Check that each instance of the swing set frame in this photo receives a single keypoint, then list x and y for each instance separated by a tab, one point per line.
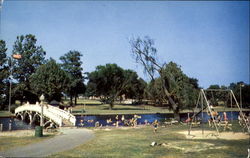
203	103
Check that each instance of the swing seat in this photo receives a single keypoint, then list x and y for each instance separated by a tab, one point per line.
226	124
196	124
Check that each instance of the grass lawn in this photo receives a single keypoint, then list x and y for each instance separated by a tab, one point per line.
5	114
92	107
135	142
7	143
118	109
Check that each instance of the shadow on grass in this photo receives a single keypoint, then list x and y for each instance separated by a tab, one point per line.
88	104
124	109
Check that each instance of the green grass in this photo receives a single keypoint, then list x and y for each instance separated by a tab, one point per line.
135	142
118	109
93	107
7	143
5	114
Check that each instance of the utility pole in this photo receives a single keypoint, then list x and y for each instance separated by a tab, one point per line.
14	56
10	82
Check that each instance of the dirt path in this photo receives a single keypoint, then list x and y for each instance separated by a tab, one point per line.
69	139
213	135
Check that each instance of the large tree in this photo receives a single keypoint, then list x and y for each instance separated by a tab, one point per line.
133	85
50	80
32	56
107	81
71	63
184	90
3	74
146	54
111	81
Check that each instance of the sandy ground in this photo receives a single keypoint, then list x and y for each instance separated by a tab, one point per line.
197	134
19	133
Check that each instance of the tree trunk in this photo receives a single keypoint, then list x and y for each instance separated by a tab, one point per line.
111	105
173	104
75	99
177	114
71	100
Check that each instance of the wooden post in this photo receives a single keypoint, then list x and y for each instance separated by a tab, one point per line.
210	110
241	113
191	121
1	127
10	126
202	115
231	100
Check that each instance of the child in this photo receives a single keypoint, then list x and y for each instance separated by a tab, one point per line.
225	116
155	124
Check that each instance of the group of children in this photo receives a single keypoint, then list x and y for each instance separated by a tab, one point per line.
130	122
220	120
133	122
214	117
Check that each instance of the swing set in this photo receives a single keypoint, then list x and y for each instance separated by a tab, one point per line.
203	103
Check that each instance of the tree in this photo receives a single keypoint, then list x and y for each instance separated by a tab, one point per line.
107	81
139	88
145	54
32	57
111	81
71	63
50	80
245	91
133	85
183	89
3	74
154	92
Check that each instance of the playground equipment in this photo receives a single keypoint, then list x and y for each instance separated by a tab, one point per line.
203	103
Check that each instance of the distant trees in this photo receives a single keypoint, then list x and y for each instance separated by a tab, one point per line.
71	63
50	80
217	97
245	92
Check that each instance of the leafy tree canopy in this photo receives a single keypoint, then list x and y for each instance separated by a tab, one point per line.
32	56
112	81
4	73
145	54
183	89
71	63
50	80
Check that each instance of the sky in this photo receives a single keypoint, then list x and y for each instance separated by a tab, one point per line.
209	40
